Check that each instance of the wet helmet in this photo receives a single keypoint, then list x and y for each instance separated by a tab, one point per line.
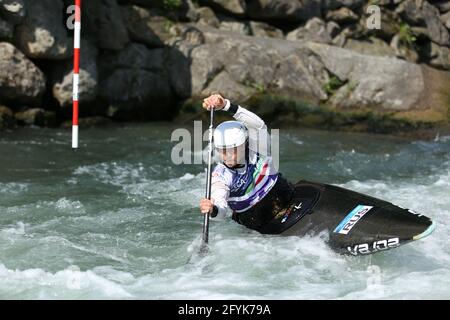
230	134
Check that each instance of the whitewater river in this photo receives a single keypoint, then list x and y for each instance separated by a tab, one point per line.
118	220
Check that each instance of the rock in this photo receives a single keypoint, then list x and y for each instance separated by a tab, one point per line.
179	61
103	22
6	30
423	13
315	30
261	29
226	85
179	10
339	40
445	18
438	32
248	66
7	119
21	82
333	29
390	25
440	57
233	25
335	4
235	7
207	17
41	34
403	49
136	85
62	77
36	117
378	82
372	46
283	10
442	5
87	122
134	56
411	12
145	26
13	11
257	63
342	16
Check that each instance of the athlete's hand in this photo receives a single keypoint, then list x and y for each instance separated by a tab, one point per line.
216	101
206	206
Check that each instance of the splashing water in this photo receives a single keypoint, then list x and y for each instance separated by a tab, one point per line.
118	220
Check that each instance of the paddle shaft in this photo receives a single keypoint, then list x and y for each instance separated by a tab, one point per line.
208	176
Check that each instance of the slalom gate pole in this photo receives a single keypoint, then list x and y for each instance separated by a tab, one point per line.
76	72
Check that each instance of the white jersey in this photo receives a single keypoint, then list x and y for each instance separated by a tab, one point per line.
241	188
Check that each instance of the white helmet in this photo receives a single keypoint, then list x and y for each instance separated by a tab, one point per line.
230	134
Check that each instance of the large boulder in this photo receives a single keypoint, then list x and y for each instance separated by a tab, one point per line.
207	17
338	78
7	119
254	62
42	35
315	30
146	27
103	22
377	82
440	57
283	10
135	83
180	10
12	11
423	13
21	82
371	46
442	5
234	7
6	30
62	77
336	4
445	18
262	29
438	32
233	25
342	15
36	117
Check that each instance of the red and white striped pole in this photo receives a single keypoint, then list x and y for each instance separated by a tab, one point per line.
76	72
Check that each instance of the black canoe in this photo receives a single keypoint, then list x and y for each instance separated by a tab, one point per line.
356	223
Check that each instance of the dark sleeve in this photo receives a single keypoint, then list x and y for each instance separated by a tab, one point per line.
233	108
214	212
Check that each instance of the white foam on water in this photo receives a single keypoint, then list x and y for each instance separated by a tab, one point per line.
69	206
18	229
70	283
140	249
13	188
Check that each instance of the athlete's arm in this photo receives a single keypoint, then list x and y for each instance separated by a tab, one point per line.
220	191
259	139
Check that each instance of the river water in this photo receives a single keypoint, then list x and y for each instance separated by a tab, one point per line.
119	220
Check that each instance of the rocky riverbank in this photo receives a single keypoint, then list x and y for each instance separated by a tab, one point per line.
313	63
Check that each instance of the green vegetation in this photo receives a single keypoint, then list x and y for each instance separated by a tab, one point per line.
283	110
352	85
280	111
167	25
332	85
259	87
406	35
172	4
